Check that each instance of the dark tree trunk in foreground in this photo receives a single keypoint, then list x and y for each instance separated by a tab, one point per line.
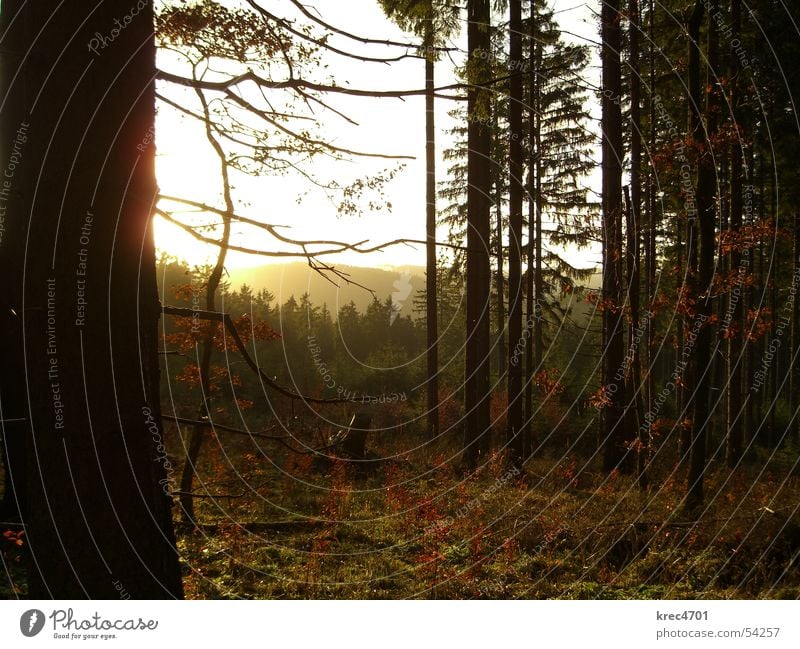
476	382
515	341
13	411
615	429
99	515
14	131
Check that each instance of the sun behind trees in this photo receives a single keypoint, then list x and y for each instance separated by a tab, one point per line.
582	383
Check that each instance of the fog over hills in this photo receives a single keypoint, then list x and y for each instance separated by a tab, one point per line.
285	280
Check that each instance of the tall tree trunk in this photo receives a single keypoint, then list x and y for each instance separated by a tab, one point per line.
98	485
538	268
514	418
652	223
706	215
533	283
733	445
615	430
635	332
794	377
680	390
431	300
633	378
530	305
476	382
13	399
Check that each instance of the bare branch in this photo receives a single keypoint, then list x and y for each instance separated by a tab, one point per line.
319	42
226	84
361	39
343	247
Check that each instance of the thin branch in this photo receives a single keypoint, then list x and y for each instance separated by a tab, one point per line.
285	24
241	101
345	247
361	39
226	84
270	228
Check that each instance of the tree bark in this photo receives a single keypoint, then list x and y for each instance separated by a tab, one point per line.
652	222
530	302
733	446
515	398
706	215
794	376
432	301
633	249
616	432
476	382
13	398
98	515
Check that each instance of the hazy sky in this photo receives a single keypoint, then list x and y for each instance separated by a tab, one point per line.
187	167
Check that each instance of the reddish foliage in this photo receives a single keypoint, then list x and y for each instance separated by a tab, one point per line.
14	538
759	322
547	381
600	398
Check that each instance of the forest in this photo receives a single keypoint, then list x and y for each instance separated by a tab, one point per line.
589	389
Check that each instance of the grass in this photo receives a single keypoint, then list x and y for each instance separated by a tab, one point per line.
414	527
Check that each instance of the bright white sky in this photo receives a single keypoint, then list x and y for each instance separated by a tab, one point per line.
187	167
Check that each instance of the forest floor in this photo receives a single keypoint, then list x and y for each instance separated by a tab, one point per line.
420	530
